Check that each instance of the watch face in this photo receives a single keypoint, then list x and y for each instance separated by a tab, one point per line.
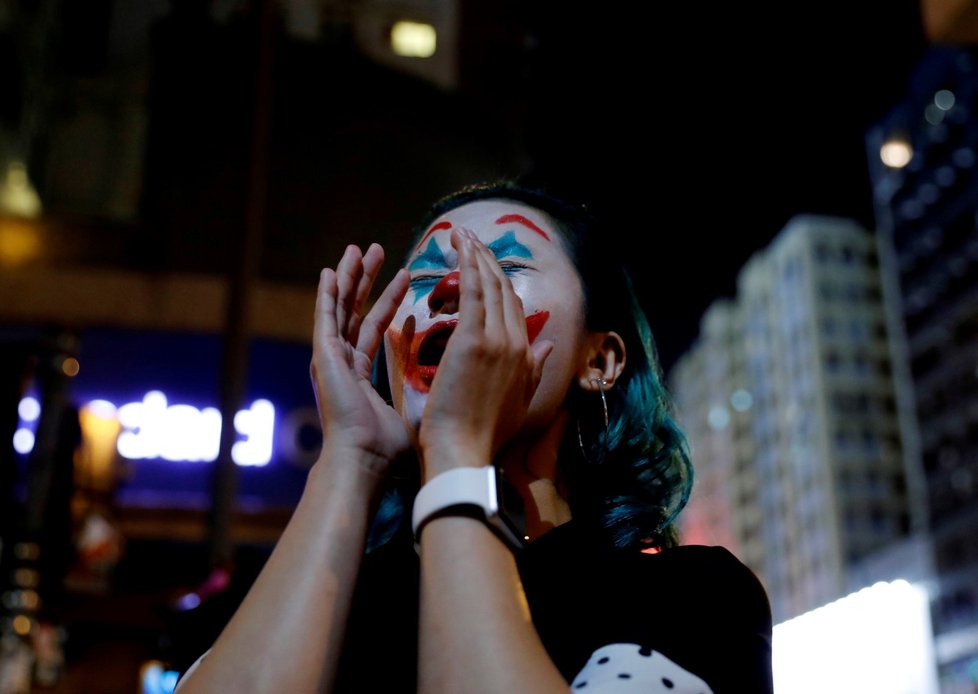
512	511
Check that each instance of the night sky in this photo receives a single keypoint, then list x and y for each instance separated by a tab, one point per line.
704	130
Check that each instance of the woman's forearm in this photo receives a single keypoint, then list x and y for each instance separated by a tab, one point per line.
476	631
288	632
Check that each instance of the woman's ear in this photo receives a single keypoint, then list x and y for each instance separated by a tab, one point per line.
605	361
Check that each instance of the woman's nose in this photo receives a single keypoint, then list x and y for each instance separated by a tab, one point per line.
444	297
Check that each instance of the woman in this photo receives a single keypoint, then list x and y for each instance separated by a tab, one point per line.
513	343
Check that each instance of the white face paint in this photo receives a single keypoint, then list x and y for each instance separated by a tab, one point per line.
528	246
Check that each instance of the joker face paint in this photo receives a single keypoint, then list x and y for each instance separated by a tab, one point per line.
528	247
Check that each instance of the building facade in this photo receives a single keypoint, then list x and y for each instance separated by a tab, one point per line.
789	401
927	214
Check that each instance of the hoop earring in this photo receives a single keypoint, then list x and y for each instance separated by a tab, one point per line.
604	407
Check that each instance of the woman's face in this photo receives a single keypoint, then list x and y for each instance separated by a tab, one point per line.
528	246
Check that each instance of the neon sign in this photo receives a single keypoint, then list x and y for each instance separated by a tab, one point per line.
153	428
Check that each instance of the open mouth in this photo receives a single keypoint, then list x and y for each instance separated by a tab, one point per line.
423	351
432	347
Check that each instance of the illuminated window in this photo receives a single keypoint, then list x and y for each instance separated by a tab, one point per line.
413	39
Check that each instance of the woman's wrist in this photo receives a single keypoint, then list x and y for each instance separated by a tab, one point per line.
444	458
350	472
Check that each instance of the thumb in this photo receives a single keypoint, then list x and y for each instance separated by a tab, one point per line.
541	350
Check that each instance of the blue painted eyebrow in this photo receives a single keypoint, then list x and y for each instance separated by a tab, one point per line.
432	257
507	246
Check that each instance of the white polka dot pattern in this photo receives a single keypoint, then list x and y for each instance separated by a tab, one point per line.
623	668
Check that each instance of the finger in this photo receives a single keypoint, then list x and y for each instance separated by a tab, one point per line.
348	273
472	312
325	315
382	313
373	259
493	287
514	315
513	319
541	350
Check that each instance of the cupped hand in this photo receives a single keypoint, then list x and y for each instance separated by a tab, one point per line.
488	373
355	419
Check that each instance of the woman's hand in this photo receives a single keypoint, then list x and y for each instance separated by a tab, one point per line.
489	371
355	419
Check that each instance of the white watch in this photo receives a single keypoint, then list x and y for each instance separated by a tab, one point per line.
476	492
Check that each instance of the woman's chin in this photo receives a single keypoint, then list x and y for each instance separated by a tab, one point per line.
412	409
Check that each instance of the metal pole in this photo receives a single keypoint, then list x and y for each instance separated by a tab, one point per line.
240	285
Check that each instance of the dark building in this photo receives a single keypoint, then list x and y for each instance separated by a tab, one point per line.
927	215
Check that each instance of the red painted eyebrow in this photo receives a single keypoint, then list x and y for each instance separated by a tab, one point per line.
520	219
437	227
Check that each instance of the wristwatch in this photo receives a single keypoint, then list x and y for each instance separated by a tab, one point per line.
476	492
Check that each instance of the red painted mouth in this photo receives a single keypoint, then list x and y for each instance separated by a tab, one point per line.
427	351
427	348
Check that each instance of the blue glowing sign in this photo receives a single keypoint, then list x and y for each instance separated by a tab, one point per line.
162	389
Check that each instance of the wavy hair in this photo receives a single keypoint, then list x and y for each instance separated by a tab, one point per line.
626	481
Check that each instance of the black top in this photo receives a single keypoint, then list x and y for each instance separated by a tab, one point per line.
698	606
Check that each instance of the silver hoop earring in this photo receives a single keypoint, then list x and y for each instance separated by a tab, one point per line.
604	408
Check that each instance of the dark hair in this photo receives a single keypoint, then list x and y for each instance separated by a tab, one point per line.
627	481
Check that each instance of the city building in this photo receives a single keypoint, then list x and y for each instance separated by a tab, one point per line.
923	156
789	400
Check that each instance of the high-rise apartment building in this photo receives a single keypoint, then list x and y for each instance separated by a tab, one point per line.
789	402
925	184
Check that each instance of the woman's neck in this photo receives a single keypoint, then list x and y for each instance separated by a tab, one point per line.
530	465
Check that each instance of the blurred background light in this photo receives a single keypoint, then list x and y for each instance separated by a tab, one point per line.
20	241
29	409
28	578
876	640
23	441
156	678
258	424
70	367
96	461
413	39
896	153
188	601
944	99
741	400
101	408
17	195
27	599
22	625
718	418
154	429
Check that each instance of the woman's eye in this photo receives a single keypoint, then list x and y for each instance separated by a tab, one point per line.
424	281
511	266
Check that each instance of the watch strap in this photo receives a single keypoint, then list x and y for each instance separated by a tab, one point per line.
467	491
456	510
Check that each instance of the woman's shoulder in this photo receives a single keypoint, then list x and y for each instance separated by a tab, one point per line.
712	573
702	557
713	569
